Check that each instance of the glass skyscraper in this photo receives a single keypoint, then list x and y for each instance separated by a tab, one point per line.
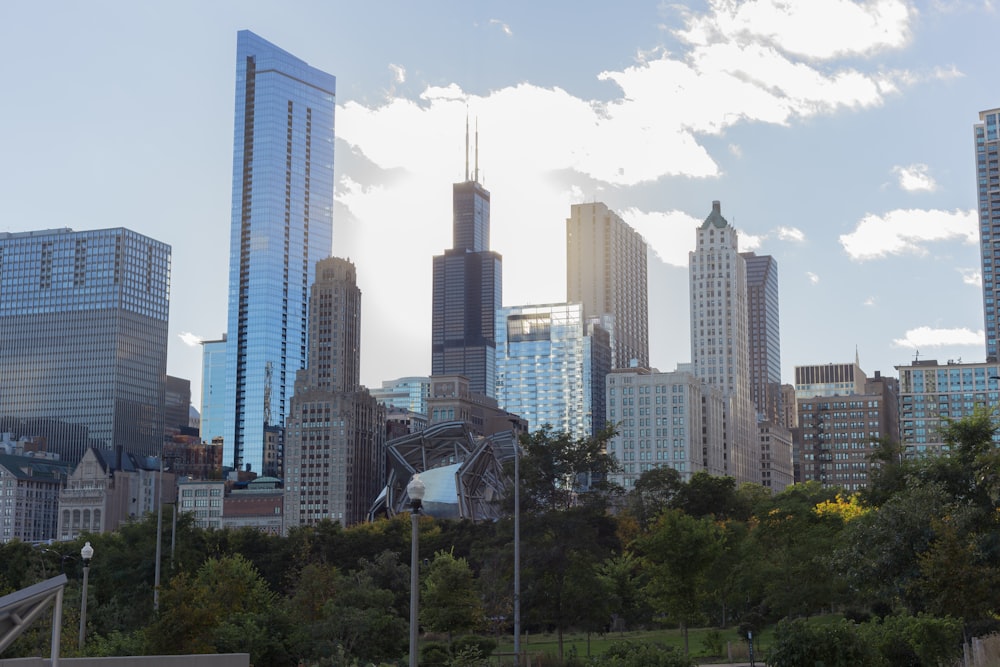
281	226
83	338
551	367
213	389
467	294
765	337
988	192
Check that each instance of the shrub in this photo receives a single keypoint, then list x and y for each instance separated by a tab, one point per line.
640	654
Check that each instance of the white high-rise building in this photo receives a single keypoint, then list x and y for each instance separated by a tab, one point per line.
720	349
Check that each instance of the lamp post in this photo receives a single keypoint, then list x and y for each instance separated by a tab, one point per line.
86	553
159	540
517	542
415	490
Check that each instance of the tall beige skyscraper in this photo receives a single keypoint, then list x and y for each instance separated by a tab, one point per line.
606	272
335	437
720	348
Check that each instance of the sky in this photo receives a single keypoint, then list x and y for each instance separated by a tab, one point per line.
836	134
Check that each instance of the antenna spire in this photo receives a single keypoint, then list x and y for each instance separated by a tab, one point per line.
476	176
466	144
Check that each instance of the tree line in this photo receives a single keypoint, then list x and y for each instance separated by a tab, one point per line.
911	564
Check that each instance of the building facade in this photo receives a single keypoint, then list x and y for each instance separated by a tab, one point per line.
467	293
839	433
335	440
408	393
931	393
213	389
720	341
606	272
83	338
551	367
987	140
281	226
664	420
29	496
763	324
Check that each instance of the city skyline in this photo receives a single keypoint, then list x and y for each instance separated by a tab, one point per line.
839	138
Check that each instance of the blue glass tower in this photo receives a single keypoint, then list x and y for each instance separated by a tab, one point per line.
281	226
987	136
213	389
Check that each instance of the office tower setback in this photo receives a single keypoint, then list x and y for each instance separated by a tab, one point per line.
765	340
606	272
467	291
987	138
213	389
720	340
335	439
83	338
281	226
551	367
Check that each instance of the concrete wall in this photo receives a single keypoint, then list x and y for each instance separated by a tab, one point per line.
207	660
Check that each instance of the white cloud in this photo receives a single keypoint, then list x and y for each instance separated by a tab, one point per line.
813	278
870	301
928	337
908	231
189	339
503	26
819	29
749	242
736	150
791	234
915	178
671	235
971	277
398	73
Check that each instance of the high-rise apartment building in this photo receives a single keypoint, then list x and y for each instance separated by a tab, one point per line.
335	438
606	272
551	367
765	337
720	340
83	338
987	138
467	292
664	420
213	389
838	433
930	394
408	393
281	226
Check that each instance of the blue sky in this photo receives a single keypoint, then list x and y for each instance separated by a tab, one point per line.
837	135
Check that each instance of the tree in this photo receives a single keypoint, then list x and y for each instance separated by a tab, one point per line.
708	495
681	551
449	601
653	492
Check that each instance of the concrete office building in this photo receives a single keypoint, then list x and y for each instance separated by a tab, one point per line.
551	367
282	207
606	272
720	339
664	420
83	338
335	440
763	327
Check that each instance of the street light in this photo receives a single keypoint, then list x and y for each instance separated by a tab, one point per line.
159	540
517	541
86	553
415	490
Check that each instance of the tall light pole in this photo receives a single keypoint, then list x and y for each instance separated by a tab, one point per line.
86	553
159	540
517	542
415	490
